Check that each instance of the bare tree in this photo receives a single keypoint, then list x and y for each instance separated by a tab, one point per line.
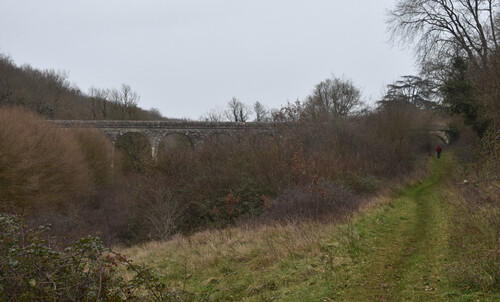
7	84
261	113
291	113
124	103
333	98
237	111
44	91
214	115
161	212
99	99
155	114
413	90
446	28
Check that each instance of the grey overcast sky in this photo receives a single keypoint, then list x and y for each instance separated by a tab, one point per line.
186	57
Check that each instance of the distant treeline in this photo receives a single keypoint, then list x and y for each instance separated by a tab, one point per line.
50	94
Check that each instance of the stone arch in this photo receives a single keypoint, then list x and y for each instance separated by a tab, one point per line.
134	149
173	142
177	138
218	136
267	136
442	135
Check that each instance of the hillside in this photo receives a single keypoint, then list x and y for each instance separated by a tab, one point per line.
49	93
398	248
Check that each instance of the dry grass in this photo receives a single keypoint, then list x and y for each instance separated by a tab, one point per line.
475	236
250	248
204	249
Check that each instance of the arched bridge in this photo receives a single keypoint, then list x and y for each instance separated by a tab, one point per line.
155	131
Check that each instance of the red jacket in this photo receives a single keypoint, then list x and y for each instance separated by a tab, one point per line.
438	149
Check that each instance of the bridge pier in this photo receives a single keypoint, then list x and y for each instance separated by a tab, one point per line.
155	143
112	154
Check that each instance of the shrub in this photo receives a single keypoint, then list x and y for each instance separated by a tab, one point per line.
96	149
359	182
32	270
201	178
476	212
317	200
135	151
40	164
155	212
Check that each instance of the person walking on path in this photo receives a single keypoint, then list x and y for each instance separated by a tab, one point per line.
438	151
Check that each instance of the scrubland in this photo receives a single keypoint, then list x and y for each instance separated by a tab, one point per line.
312	169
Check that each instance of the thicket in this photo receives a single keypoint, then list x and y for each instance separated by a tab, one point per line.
309	169
41	166
475	236
470	92
46	173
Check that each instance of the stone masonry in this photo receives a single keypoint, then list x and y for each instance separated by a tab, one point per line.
155	131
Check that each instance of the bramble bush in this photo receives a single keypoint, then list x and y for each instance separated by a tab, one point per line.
31	269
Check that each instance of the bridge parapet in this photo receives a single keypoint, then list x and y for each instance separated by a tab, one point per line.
125	124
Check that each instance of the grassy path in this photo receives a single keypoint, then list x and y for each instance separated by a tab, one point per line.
403	246
394	251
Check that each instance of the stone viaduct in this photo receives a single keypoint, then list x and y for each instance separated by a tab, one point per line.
155	131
